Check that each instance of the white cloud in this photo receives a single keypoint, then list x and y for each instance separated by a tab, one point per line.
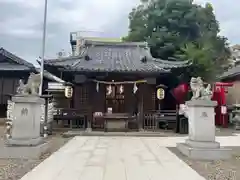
63	17
28	33
228	16
20	27
94	14
25	3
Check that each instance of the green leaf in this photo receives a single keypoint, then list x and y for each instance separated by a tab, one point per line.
181	30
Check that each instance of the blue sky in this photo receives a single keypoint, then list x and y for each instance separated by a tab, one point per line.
21	22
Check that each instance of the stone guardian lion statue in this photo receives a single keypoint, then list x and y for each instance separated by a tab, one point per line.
32	85
198	89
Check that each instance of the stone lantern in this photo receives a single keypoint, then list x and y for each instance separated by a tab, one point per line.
236	119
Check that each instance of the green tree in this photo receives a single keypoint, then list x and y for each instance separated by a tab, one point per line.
181	30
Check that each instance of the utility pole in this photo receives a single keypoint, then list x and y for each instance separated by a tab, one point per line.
43	47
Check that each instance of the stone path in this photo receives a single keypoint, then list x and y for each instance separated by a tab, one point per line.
119	158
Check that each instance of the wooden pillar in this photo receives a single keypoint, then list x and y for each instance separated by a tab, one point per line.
90	101
140	96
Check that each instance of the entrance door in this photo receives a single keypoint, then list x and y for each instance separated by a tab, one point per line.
115	98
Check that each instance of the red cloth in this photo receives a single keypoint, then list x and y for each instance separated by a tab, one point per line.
219	95
180	92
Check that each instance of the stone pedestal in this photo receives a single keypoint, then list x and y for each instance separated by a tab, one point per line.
201	142
88	130
27	113
23	152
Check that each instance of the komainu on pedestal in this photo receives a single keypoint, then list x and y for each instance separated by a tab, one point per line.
200	112
25	115
31	87
198	89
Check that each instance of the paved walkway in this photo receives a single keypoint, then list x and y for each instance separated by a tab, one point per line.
118	158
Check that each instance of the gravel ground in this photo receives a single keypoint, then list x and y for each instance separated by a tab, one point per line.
215	170
14	169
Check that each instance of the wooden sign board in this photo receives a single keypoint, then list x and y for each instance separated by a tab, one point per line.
55	86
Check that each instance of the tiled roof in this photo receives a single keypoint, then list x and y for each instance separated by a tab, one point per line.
115	57
235	71
18	63
13	67
50	76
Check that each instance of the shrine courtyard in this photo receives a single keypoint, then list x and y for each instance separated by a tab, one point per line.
131	158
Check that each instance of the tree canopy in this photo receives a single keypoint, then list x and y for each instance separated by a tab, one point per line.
181	30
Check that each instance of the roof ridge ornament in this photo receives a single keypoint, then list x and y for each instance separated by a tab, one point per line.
87	58
84	51
144	59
